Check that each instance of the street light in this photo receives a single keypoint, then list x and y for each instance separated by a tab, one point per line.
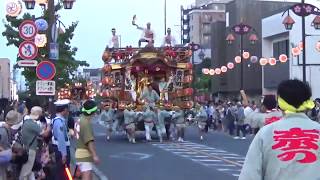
29	3
242	29
303	10
68	4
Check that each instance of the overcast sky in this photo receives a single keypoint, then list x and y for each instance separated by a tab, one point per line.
97	17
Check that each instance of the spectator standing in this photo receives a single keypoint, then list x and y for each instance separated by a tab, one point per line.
240	122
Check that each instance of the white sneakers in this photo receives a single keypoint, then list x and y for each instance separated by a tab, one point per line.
108	138
180	139
237	137
243	138
201	138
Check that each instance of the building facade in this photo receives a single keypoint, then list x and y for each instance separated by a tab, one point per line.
277	40
238	11
5	86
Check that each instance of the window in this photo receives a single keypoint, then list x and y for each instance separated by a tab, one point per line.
281	47
206	41
227	19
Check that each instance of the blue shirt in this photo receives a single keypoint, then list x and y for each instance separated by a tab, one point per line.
60	134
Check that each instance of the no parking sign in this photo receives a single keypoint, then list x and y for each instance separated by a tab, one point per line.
46	70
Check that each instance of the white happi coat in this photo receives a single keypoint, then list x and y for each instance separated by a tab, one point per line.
288	149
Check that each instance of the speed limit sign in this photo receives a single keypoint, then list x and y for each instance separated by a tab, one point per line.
28	30
28	50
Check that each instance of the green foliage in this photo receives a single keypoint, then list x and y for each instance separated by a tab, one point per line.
66	66
202	82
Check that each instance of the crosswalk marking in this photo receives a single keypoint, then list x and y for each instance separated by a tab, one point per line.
211	157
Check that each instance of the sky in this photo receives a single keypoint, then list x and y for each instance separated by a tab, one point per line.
97	17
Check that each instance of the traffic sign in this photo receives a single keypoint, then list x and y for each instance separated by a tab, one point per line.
45	88
28	50
28	30
46	70
27	63
54	51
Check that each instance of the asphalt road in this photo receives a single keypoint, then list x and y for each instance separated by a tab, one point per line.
218	157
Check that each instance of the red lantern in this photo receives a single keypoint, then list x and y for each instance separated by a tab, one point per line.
230	65
205	70
296	51
263	61
107	68
237	59
318	46
272	61
211	72
106	56
189	66
188	79
217	71
283	58
107	81
224	69
246	55
188	92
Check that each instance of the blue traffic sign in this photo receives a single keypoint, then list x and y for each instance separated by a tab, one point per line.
46	70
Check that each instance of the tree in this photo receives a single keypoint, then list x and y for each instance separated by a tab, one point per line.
66	66
202	82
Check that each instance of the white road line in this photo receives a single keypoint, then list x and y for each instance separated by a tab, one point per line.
99	174
208	160
200	156
184	152
225	169
232	157
236	175
225	165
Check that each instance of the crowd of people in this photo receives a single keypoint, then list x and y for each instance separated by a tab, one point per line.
37	145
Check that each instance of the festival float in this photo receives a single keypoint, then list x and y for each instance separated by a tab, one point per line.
128	71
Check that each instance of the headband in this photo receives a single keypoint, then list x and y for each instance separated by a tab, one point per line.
89	111
308	104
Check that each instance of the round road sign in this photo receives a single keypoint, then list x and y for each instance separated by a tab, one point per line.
46	70
28	50
28	30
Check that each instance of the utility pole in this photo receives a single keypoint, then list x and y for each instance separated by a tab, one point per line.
304	47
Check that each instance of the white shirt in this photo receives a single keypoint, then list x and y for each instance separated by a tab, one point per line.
169	40
114	41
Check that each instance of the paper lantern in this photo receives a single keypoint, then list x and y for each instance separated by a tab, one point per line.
283	58
246	55
224	69
254	59
272	61
205	70
41	24
13	8
237	59
179	92
107	68
189	66
40	40
188	79
217	71
230	65
107	81
211	72
318	46
263	61
188	91
106	56
300	45
296	51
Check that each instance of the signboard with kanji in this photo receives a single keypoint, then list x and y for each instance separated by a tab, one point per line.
46	88
28	30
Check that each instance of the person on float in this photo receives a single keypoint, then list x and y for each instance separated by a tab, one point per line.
201	118
86	154
114	41
288	148
269	112
129	122
178	118
147	35
107	117
131	83
150	96
169	39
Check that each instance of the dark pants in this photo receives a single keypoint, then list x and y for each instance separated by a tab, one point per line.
59	171
231	128
143	40
242	129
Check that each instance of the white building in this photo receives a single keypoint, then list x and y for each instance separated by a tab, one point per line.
5	78
276	38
